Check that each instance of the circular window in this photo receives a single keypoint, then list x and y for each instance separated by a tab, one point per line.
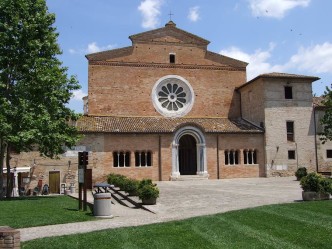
172	96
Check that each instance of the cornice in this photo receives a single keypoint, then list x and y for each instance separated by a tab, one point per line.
162	65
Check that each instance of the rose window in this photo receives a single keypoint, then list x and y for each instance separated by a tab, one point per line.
172	96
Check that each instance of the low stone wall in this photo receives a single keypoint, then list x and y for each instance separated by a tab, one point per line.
9	238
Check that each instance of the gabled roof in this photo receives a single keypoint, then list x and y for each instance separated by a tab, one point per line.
276	75
115	124
170	30
114	53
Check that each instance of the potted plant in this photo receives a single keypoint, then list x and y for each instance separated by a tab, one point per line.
117	180
131	187
316	187
148	193
300	172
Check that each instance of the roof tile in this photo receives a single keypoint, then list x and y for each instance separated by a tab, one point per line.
114	124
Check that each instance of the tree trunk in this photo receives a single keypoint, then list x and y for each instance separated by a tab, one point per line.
2	157
9	176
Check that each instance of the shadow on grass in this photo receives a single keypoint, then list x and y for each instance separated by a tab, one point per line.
28	198
89	212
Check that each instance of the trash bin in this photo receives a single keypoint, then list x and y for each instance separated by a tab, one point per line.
72	188
102	205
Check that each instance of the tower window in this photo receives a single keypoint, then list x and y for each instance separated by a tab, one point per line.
328	153
291	154
171	58
288	92
290	131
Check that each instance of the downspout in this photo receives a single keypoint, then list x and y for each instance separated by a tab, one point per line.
218	163
315	127
159	159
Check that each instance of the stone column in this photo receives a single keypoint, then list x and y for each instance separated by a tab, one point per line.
201	160
175	161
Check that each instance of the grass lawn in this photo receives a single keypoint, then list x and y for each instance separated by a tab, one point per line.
40	211
296	225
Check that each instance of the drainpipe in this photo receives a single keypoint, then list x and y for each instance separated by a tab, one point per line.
218	163
159	159
297	157
315	127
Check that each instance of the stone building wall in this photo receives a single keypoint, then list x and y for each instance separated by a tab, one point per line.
323	158
277	112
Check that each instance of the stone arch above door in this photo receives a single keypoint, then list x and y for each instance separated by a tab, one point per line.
198	135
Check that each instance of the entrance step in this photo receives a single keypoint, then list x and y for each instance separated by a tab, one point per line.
124	199
191	178
121	198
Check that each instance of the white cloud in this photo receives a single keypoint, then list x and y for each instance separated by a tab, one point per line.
275	8
258	61
78	95
194	14
150	9
91	48
314	59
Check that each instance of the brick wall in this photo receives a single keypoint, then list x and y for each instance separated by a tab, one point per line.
125	89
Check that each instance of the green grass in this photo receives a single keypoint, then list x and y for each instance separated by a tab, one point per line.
40	211
296	225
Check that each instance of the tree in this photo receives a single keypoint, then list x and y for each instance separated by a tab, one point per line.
34	86
326	121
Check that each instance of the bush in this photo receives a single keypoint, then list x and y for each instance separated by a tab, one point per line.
148	191
131	186
316	183
144	182
117	180
301	172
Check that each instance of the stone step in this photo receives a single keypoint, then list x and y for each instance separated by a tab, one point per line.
191	178
122	199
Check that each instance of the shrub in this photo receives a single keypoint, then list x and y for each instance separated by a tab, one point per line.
144	182
117	180
148	191
301	172
316	183
131	186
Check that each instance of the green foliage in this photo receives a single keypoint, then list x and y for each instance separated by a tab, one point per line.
144	182
316	183
144	188
34	86
300	172
326	121
117	180
295	225
131	186
148	191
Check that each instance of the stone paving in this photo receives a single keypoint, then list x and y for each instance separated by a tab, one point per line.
185	199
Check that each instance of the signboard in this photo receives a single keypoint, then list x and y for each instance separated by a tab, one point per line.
81	175
73	151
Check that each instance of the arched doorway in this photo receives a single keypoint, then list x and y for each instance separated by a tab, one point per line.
187	155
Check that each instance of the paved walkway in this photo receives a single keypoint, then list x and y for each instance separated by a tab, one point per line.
184	199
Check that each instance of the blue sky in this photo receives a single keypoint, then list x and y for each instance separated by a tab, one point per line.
291	36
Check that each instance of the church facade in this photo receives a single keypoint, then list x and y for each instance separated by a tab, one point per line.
167	108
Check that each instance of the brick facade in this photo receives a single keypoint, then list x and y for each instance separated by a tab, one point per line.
239	127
